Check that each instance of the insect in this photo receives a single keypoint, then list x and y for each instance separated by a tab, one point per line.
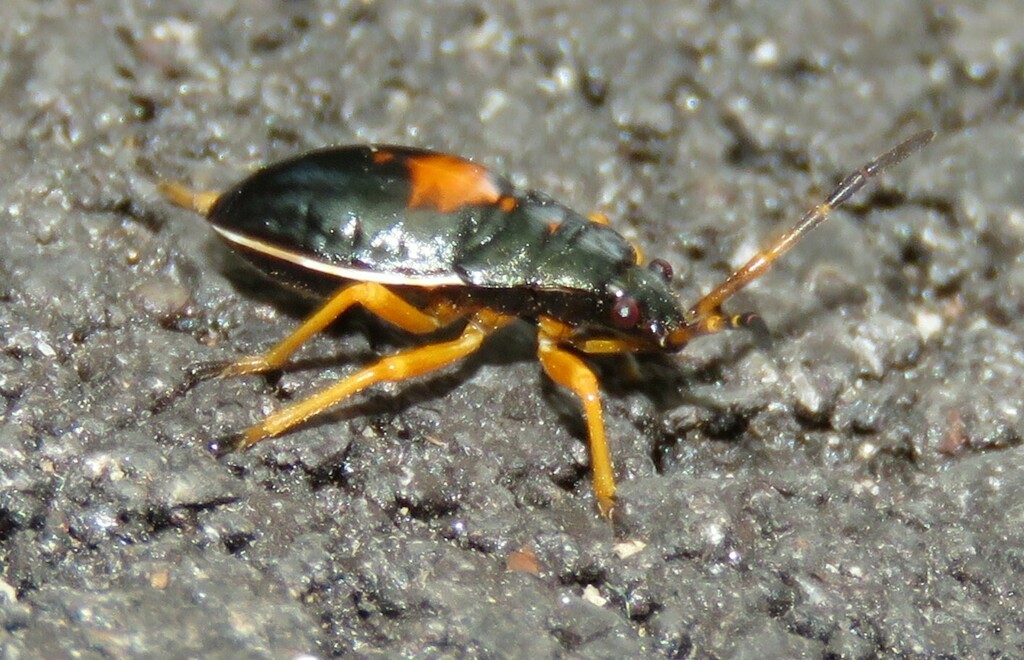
425	240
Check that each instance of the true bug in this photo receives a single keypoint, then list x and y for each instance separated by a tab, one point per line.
425	240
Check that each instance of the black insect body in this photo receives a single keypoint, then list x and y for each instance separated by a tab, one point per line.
424	240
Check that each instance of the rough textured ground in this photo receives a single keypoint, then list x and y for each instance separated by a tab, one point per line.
854	491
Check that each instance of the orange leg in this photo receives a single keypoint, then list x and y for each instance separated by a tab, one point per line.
375	298
179	195
571	372
398	367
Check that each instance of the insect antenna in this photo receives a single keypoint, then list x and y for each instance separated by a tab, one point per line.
706	317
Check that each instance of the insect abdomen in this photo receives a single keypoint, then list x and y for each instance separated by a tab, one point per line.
409	217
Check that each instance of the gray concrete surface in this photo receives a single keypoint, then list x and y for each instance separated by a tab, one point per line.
853	492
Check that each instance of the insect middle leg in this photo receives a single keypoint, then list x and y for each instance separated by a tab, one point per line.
399	367
375	298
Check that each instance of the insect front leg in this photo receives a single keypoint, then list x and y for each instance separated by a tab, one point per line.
717	321
570	371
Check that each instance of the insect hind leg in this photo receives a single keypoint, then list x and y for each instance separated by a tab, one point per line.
180	195
398	367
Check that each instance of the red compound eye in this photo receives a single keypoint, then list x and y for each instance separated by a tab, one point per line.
625	313
662	268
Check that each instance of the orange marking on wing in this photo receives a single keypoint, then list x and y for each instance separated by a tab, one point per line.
447	183
599	218
381	157
508	203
